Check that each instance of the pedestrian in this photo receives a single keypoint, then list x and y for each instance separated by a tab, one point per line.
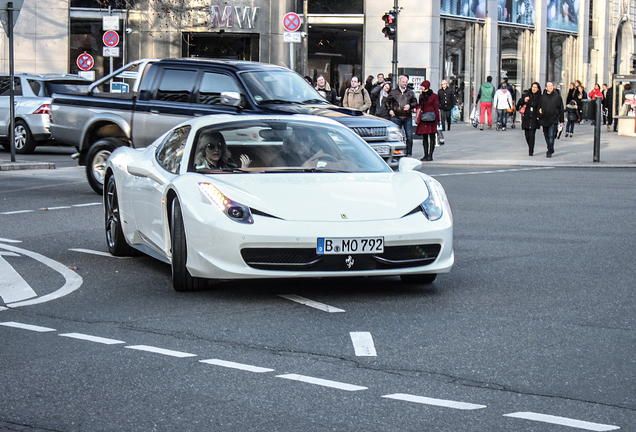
502	102
572	110
596	92
380	93
603	104
550	115
484	98
326	91
356	96
446	97
308	79
400	103
579	96
608	107
571	92
428	103
368	84
374	100
529	104
513	114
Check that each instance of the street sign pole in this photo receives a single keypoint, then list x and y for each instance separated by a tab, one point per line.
12	85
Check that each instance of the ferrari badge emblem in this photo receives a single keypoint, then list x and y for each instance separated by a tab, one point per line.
349	261
343	216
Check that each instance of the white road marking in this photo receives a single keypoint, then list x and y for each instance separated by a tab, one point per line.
435	402
27	327
240	366
3	308
11	254
322	382
13	287
10	241
94	252
311	303
86	205
92	338
161	351
491	171
17	212
57	208
72	280
563	421
363	344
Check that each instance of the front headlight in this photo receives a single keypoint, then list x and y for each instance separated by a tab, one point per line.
235	211
395	134
433	206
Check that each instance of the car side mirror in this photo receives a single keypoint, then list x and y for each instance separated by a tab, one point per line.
409	164
231	98
143	169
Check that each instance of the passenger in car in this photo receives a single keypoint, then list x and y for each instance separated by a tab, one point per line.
296	150
212	153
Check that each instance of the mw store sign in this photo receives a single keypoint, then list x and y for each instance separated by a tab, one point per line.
214	16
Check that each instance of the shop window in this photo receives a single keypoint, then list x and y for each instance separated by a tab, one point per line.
511	54
335	7
86	35
556	58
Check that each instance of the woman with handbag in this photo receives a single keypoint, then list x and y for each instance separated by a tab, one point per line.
502	102
528	106
427	119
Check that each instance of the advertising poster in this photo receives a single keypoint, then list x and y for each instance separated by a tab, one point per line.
464	8
563	15
516	11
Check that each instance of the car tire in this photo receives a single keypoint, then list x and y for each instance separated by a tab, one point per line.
96	161
182	280
24	142
425	279
115	239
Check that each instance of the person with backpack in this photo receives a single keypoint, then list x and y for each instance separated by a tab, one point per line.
356	96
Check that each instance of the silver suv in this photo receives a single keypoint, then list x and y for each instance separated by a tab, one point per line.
32	106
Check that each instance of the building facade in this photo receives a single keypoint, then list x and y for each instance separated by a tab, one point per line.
462	41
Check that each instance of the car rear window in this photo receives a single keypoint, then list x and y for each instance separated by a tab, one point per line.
51	87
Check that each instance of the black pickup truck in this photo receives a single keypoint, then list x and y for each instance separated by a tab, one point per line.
167	92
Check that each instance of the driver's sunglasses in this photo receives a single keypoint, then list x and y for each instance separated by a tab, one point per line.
212	146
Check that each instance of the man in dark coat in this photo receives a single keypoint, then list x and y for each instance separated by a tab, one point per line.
400	104
446	97
550	115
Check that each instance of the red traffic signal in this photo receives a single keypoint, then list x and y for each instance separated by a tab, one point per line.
390	25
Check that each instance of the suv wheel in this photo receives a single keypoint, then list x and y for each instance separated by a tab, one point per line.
96	161
24	142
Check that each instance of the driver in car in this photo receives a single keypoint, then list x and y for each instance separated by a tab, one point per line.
214	155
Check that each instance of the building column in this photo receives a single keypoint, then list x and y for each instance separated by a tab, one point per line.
491	42
541	42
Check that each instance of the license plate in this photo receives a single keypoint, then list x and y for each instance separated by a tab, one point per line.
382	150
349	245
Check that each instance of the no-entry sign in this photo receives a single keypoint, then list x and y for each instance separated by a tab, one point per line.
85	61
291	21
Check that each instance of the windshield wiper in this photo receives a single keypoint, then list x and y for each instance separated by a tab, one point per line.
277	101
309	101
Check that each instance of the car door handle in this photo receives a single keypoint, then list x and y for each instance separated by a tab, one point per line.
154	112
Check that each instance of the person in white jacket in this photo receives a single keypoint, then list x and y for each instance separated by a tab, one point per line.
502	102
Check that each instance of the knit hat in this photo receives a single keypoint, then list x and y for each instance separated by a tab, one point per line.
426	84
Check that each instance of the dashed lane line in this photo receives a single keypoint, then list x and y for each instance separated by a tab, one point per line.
322	382
91	338
27	327
435	402
161	351
311	303
51	208
562	421
491	171
545	418
240	366
363	344
98	253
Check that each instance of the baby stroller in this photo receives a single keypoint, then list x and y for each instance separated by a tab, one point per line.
474	116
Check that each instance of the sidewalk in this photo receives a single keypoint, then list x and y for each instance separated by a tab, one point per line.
466	145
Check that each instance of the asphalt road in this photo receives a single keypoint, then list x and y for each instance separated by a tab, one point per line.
533	329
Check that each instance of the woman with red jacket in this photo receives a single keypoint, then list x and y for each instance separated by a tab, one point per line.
428	103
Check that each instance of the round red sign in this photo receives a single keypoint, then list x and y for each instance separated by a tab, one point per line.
85	61
291	21
111	38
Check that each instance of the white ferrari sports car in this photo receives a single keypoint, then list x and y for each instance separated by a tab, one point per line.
242	197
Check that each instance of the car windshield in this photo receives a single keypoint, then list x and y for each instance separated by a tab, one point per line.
51	87
280	87
282	146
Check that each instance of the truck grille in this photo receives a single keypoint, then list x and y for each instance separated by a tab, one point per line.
370	132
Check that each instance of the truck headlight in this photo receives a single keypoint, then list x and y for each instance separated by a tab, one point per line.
395	134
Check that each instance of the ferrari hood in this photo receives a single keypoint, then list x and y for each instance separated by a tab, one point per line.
324	197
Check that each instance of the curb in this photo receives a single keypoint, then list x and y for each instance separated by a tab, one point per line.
22	165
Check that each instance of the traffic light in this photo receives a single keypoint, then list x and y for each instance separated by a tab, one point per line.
390	25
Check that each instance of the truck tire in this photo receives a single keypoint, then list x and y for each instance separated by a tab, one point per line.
24	142
96	158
